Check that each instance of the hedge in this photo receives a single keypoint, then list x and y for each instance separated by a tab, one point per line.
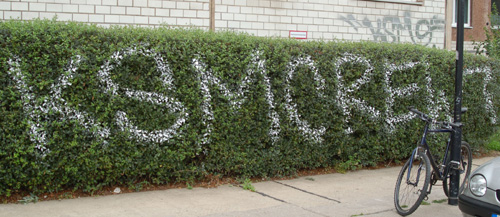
84	107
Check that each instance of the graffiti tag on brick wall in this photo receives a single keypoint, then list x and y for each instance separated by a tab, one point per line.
398	29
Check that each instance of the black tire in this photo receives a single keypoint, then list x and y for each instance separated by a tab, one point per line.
409	195
464	168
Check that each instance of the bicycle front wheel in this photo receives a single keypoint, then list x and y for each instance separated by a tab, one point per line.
463	169
411	189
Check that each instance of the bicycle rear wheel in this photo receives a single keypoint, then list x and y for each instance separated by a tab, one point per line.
464	168
410	192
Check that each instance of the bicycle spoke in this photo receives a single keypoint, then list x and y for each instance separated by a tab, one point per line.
411	189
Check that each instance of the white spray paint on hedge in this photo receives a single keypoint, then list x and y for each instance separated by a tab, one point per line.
344	98
37	135
237	98
35	108
172	104
291	107
391	120
57	104
488	96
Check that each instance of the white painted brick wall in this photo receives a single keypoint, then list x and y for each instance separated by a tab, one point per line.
141	20
81	17
64	17
5	6
54	7
190	13
126	19
90	2
62	1
12	15
47	15
118	10
113	2
70	8
183	21
154	4
20	6
183	5
125	3
86	9
169	4
111	18
96	18
133	11
26	15
37	6
102	9
72	1
196	6
177	13
221	24
203	14
162	12
323	19
148	11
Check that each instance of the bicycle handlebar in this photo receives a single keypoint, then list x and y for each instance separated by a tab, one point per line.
426	118
445	124
421	115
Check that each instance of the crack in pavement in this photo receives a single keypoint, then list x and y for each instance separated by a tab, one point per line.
269	196
308	192
286	202
374	213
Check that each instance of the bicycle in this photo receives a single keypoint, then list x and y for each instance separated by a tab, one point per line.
414	178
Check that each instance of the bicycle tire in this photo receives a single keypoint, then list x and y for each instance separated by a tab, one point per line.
465	168
403	194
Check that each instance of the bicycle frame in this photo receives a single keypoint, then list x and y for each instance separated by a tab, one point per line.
423	145
410	191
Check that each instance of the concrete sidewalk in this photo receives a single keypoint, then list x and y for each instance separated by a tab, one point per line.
358	193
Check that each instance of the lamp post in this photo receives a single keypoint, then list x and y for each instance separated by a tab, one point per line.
457	118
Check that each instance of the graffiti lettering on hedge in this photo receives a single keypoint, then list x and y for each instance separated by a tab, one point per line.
393	29
206	77
36	108
487	95
58	104
172	104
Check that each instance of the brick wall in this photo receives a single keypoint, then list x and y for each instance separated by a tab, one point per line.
417	22
413	21
112	12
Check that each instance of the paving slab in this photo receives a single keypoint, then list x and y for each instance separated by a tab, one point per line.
357	193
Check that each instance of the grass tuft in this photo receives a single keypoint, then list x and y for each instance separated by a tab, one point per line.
494	143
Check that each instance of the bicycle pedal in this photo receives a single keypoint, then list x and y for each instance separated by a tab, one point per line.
434	178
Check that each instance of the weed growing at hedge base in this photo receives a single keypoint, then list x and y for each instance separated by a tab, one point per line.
494	143
32	198
247	184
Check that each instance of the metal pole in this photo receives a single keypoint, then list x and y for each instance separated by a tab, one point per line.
212	15
457	131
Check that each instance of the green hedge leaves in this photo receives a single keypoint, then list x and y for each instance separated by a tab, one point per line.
83	107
